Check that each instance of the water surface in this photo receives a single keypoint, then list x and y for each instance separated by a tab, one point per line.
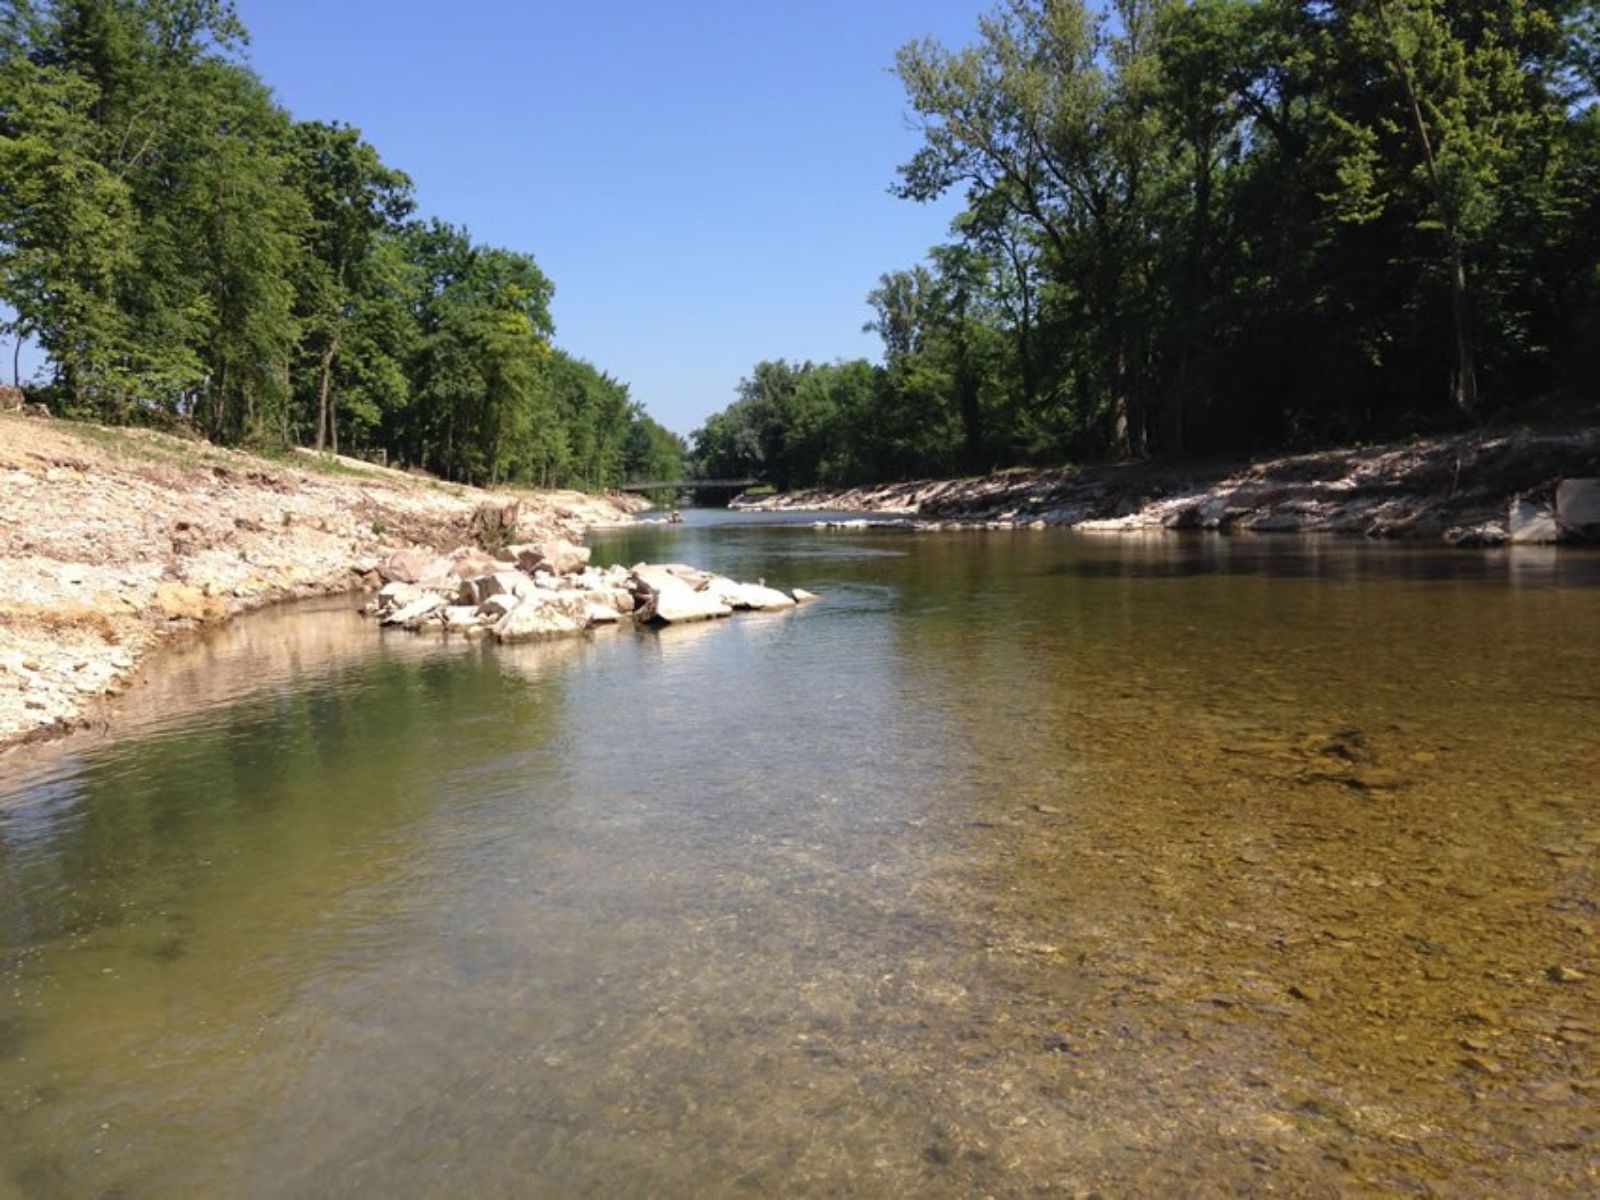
1021	864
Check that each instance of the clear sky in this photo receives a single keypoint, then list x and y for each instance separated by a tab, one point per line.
706	181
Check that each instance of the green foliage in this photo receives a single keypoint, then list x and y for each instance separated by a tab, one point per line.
180	248
1222	225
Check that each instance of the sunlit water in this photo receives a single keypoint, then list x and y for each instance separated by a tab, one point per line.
1021	864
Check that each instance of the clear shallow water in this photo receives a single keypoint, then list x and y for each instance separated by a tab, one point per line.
1021	864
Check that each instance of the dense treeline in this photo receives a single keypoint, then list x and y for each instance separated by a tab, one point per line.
1218	225
180	247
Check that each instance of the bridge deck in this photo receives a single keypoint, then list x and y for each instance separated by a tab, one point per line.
690	485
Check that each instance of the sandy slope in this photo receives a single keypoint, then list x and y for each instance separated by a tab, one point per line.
112	540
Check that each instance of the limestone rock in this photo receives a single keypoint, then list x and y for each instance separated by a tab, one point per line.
405	566
497	606
1490	533
462	616
439	573
500	583
749	595
397	594
185	602
1529	522
559	557
423	606
665	597
540	616
469	561
1578	506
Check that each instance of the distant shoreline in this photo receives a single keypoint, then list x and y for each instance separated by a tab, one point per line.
1461	490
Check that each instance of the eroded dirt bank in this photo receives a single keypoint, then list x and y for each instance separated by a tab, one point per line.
114	540
1461	489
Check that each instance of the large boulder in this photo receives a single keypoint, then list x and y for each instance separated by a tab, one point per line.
754	596
496	607
500	583
558	557
602	614
1531	523
469	562
462	616
1578	506
543	615
397	595
423	606
406	566
663	596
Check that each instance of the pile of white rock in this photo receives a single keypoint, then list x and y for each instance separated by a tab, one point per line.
549	589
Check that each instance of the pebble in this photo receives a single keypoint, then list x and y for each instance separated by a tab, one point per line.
1560	974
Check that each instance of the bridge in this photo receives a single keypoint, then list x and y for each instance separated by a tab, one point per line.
691	485
702	493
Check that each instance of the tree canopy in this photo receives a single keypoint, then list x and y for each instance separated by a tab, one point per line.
1217	226
182	249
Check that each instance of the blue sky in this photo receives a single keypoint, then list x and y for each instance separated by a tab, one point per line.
706	182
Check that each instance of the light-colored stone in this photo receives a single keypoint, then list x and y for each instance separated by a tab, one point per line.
749	595
602	614
557	556
469	562
439	573
500	583
663	596
1578	506
543	616
397	594
406	566
423	606
1490	533
460	616
185	602
1530	522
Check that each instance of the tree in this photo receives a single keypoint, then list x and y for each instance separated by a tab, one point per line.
353	200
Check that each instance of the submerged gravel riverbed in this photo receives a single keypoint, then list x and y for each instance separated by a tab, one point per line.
1022	864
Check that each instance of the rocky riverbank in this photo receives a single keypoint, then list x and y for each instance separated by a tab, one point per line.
1465	490
113	541
524	593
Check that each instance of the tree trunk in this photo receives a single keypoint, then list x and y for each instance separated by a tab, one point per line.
1464	378
324	384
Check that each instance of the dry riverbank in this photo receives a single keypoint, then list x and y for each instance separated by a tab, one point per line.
114	540
1462	489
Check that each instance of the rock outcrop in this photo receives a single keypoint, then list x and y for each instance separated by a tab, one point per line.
1457	489
535	600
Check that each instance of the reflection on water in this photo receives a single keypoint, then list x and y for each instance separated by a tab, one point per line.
1022	864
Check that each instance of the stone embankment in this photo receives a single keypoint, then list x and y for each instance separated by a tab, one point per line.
1466	491
525	592
112	541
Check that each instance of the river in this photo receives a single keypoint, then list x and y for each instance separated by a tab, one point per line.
1021	864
